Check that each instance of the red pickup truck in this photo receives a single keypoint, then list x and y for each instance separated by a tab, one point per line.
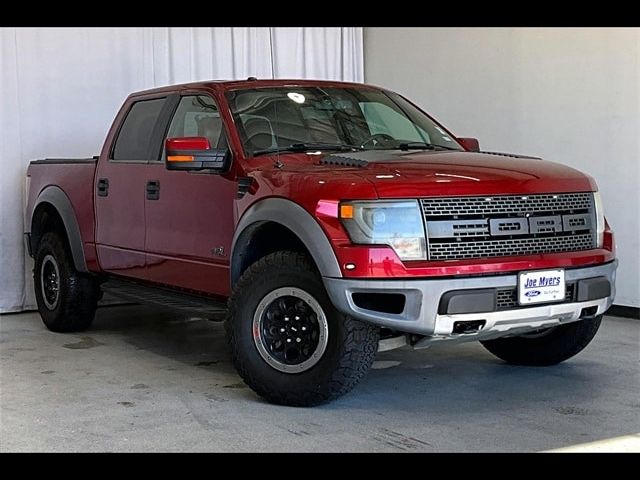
328	220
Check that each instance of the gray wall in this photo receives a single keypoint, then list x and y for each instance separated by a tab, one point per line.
568	95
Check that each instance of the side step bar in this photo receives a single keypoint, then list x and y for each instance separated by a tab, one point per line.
140	293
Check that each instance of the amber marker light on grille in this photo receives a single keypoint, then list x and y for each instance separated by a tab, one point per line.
346	211
180	158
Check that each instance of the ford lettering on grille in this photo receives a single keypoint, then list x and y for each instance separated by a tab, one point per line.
480	227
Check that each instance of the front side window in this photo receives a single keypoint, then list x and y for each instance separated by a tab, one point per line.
134	138
198	116
272	119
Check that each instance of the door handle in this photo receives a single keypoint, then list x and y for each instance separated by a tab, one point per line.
153	190
103	187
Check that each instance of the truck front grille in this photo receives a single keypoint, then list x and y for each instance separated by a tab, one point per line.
461	228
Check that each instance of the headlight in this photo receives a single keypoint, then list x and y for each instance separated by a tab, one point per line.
398	224
597	200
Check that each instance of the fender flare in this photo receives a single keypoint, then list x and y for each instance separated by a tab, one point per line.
56	197
292	216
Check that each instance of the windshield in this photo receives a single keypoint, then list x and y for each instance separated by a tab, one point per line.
292	118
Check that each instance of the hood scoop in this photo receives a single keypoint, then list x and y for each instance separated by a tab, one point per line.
343	161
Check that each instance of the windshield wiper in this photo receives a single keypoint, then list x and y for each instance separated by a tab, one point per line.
305	147
422	146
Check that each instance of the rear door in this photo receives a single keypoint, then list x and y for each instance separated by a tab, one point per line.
190	222
120	187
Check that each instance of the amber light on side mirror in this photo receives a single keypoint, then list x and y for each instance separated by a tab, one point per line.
469	144
179	158
194	153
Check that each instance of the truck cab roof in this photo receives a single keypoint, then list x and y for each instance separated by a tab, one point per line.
251	82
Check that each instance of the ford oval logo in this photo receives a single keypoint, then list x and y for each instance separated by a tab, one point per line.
532	293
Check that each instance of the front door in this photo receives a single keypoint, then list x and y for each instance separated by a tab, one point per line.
190	221
120	185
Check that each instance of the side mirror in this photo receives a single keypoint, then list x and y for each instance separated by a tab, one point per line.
470	144
195	153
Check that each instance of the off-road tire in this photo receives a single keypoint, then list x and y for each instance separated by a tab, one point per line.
558	345
78	293
351	344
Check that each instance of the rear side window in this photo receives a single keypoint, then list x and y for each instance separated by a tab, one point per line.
135	134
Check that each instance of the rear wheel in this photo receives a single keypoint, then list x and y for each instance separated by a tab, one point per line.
288	342
66	299
545	347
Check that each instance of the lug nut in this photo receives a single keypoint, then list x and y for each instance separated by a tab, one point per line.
298	340
297	317
288	340
282	330
304	329
286	319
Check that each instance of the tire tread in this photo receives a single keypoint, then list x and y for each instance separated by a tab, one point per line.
76	308
564	342
357	352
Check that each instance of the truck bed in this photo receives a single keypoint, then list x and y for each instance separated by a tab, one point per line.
75	177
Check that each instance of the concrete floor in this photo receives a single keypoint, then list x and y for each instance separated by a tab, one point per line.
142	379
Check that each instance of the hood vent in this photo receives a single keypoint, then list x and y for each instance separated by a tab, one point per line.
513	155
343	161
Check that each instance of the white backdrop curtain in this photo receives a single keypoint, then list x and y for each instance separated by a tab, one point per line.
61	88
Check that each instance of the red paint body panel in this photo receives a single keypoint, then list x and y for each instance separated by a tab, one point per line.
381	262
76	181
170	241
193	215
426	174
120	218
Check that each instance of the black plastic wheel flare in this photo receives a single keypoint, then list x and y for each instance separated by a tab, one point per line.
290	330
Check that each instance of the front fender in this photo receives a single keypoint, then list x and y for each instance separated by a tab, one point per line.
292	216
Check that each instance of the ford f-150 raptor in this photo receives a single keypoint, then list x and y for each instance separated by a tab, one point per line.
327	220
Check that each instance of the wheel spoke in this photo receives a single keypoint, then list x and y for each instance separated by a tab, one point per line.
282	304
291	354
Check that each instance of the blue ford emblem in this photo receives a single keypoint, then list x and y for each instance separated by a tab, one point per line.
532	293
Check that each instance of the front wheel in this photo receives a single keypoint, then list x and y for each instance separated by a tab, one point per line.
288	342
547	347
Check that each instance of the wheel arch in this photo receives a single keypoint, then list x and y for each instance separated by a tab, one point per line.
53	210
298	230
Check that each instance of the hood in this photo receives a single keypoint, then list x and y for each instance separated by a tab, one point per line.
396	174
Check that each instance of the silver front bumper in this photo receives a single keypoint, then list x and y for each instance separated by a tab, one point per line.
420	314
